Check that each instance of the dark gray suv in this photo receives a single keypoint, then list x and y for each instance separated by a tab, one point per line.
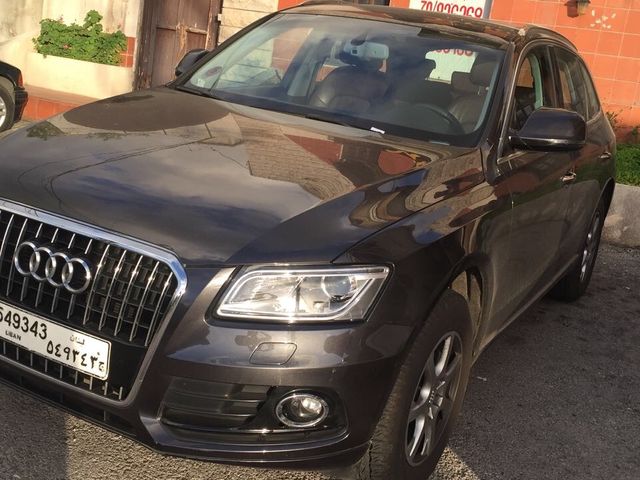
292	254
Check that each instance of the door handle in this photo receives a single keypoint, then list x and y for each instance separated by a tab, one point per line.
569	177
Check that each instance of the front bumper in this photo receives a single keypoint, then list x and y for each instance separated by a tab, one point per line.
184	402
22	97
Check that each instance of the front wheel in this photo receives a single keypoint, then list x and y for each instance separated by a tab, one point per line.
426	398
434	399
573	285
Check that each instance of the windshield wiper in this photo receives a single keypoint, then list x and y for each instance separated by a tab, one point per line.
328	119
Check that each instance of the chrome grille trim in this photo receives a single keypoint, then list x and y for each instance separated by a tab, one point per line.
5	237
92	292
133	276
72	301
150	281
156	313
54	237
12	266
149	293
109	295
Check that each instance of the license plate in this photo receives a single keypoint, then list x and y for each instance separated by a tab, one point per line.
64	345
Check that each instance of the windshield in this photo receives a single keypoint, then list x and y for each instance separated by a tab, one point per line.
388	78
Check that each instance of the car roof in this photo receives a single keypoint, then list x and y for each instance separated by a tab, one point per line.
487	30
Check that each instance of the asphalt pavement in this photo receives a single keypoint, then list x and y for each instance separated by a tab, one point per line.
20	124
554	397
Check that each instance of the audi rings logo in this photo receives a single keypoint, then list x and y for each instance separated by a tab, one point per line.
60	269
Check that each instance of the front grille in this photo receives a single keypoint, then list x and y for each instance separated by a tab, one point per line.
127	301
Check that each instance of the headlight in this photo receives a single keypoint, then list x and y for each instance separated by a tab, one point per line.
299	295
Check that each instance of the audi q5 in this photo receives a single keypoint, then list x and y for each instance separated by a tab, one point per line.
291	255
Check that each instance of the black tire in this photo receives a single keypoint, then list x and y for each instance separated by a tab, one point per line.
388	457
7	99
573	285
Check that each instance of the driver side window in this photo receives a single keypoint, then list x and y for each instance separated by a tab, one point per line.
534	87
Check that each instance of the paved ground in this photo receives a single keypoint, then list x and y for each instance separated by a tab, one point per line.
23	123
555	397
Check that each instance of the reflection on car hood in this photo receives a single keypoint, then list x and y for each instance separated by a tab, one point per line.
220	183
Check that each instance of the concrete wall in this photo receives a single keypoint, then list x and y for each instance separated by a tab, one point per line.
19	24
86	79
118	14
18	17
622	227
19	21
237	14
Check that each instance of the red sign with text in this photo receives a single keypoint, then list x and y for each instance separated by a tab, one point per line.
469	8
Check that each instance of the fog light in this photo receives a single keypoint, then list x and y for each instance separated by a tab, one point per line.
302	410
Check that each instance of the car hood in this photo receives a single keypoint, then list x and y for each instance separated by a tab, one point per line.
218	183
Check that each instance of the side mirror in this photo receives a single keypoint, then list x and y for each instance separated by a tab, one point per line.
189	60
551	129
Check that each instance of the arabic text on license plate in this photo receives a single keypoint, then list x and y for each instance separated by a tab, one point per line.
55	342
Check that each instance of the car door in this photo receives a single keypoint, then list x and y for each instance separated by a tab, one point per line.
538	183
577	93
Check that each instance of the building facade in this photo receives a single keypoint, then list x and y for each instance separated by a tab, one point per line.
607	36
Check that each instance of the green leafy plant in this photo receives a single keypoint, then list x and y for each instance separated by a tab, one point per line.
628	161
81	42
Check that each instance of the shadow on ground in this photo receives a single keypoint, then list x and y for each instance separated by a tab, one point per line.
554	397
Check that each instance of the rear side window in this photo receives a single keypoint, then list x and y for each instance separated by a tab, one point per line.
576	89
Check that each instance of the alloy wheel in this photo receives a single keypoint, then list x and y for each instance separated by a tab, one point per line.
3	111
434	398
590	247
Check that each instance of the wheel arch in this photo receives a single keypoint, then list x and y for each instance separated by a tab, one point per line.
8	83
468	282
472	279
607	194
